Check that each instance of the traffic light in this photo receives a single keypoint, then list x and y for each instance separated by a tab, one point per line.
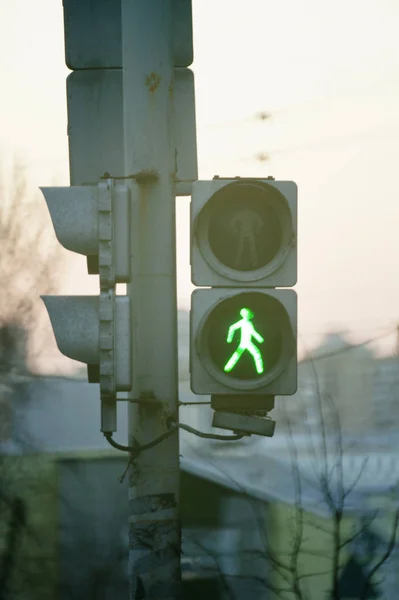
94	221
243	233
86	219
244	341
243	348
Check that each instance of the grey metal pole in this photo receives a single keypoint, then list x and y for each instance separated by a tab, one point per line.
154	529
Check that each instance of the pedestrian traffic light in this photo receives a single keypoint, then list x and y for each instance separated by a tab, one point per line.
94	221
243	330
243	231
243	341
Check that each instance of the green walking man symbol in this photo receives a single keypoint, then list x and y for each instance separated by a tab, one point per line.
248	332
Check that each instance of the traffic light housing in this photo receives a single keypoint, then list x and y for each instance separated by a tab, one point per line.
95	221
244	341
243	331
77	321
85	218
244	233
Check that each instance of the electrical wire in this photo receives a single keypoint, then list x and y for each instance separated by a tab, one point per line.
194	402
266	115
137	448
212	436
354	136
349	347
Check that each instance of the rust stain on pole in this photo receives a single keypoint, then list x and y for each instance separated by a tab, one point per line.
152	81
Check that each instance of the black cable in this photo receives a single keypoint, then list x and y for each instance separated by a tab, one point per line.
138	448
192	403
211	436
158	440
108	437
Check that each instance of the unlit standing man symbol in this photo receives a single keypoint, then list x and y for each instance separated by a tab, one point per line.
246	224
248	332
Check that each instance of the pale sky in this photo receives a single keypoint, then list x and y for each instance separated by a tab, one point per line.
327	71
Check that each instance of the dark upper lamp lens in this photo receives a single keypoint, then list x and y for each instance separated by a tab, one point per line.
244	335
245	230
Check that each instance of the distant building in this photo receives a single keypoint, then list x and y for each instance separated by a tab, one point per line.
342	376
386	393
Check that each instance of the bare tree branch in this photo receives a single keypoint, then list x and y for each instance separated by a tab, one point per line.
309	521
363	529
384	557
27	269
298	536
29	257
315	574
351	486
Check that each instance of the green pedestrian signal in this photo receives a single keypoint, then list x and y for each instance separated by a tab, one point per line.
247	332
243	323
244	339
